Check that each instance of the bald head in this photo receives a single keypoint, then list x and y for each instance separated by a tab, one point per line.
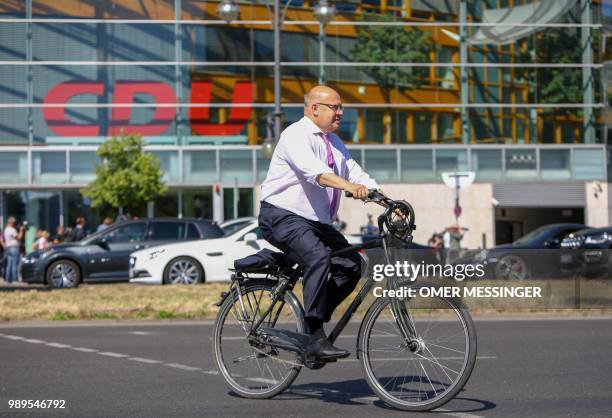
320	94
323	106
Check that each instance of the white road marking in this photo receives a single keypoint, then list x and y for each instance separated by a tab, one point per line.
182	366
141	333
58	345
13	337
111	354
456	414
85	350
144	360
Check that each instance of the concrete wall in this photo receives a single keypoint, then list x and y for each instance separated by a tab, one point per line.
598	210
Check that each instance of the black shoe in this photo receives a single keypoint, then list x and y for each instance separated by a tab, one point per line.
320	347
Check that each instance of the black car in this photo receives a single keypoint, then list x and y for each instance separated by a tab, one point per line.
587	253
104	256
413	253
535	255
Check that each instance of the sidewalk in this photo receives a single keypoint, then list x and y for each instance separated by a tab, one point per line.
5	284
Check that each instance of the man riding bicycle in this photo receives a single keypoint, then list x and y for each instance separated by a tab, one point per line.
299	201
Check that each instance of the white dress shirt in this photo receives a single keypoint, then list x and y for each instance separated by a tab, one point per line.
299	157
10	237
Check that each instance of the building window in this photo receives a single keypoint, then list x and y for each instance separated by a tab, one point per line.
588	164
200	167
446	127
82	166
348	126
236	167
398	126
450	160
198	204
49	167
487	164
555	164
381	164
422	128
169	164
521	163
13	167
374	129
417	165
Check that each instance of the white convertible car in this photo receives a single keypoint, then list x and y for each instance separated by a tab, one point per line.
198	261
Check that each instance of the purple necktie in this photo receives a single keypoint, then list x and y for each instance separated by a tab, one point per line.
333	194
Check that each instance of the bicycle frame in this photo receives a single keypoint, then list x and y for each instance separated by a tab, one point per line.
398	310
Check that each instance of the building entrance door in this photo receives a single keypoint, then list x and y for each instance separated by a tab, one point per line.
237	202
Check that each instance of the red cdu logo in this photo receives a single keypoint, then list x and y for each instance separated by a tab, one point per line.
161	93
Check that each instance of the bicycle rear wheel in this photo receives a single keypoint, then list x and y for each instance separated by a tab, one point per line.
250	369
429	372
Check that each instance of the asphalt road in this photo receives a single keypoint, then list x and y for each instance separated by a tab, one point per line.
526	368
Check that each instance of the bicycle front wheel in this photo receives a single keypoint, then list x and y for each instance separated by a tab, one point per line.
251	369
428	369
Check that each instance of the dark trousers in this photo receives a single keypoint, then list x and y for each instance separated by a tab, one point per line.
327	280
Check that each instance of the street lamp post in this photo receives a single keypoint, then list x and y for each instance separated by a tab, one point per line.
277	75
324	14
273	119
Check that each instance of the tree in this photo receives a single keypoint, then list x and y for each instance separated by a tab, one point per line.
560	85
127	177
389	44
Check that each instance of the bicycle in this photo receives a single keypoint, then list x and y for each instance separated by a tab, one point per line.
416	352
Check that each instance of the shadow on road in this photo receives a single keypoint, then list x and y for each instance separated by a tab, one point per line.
357	392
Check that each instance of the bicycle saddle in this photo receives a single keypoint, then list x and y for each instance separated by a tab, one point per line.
262	262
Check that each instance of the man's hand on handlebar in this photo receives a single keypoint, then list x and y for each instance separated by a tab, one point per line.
358	191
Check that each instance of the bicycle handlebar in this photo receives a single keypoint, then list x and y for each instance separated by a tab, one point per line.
398	216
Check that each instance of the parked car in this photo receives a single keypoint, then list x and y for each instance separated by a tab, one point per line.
203	261
233	225
535	255
104	256
587	253
197	262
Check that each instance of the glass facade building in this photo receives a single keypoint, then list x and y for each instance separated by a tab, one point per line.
454	90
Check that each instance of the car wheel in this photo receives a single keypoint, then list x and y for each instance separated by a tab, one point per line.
183	270
511	267
63	273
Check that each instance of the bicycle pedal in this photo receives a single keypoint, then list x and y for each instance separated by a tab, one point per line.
314	364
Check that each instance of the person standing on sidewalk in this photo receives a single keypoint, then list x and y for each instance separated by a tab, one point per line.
12	242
